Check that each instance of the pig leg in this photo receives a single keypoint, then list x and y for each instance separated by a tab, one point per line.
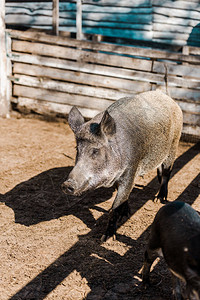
190	294
159	173
192	286
153	250
120	206
163	173
116	215
176	288
149	257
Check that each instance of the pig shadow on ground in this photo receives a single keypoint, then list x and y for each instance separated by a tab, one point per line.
109	274
41	198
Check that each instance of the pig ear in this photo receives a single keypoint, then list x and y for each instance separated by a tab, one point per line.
107	124
75	119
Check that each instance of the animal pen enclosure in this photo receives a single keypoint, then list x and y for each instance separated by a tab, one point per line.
50	74
51	247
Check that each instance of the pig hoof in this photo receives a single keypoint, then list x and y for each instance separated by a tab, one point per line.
114	237
159	198
155	199
108	235
145	284
103	238
163	201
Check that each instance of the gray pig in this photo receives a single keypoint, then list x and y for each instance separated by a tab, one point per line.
131	137
175	234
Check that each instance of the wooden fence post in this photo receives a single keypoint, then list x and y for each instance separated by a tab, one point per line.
56	17
79	34
4	101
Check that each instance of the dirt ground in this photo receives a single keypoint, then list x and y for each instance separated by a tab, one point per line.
50	244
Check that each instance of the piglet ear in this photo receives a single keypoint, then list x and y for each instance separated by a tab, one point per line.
107	124
75	119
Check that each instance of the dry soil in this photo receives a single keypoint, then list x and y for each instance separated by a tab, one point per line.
50	244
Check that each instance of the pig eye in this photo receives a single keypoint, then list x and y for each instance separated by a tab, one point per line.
94	152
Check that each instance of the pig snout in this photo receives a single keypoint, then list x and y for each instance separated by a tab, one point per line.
68	187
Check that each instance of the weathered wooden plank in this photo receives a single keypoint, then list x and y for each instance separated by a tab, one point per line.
179	82
50	108
125	5
81	56
191	130
59	97
194	50
175	20
177	69
121	3
31	8
39	20
107	10
120	17
104	70
135	51
186	5
189	107
69	87
185	94
34	8
125	33
107	24
77	77
191	119
181	13
170	35
179	29
175	42
29	20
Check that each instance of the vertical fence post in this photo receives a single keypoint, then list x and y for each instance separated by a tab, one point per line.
79	34
9	66
56	17
4	101
185	51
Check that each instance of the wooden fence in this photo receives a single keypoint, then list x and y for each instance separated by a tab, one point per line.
52	73
175	22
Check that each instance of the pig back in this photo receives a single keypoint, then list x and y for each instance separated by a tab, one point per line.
147	126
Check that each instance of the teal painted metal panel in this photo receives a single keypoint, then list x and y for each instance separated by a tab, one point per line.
171	22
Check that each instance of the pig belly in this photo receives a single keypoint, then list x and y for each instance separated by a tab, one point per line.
148	164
